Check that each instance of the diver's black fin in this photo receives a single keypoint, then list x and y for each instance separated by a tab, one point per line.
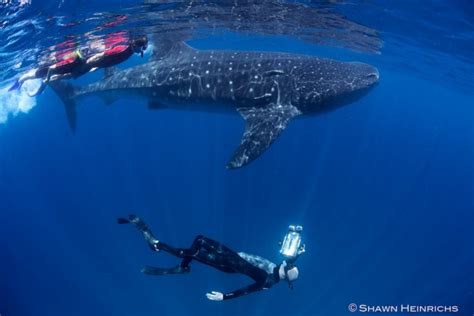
65	91
160	271
263	126
109	71
122	220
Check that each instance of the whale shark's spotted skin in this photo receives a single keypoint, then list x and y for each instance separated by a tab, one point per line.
267	89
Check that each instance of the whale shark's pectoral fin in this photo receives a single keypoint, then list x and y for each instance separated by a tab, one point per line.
263	126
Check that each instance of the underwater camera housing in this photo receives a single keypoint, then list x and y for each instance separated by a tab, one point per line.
291	247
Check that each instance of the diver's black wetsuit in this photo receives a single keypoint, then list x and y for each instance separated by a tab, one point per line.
210	252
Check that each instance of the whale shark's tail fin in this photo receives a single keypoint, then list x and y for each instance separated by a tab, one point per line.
263	126
65	92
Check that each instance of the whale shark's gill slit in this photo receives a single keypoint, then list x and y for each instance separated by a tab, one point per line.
273	72
263	96
278	91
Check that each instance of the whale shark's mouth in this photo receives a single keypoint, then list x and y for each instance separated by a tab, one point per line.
373	76
365	75
370	79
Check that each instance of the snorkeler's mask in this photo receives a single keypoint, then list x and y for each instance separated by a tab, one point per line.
140	45
291	247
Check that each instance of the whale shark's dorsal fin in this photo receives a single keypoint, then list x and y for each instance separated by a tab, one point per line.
165	47
109	71
263	126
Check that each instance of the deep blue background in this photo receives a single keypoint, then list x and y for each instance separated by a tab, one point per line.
384	189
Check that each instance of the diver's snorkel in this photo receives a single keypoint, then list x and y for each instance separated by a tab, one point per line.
291	248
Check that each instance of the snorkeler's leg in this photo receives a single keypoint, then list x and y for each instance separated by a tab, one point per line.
48	75
32	74
45	73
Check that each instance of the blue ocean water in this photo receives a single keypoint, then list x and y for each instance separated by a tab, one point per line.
383	187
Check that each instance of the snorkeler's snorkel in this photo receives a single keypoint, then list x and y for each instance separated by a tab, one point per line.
140	45
291	248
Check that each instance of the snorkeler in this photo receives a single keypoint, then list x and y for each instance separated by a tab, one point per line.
57	65
73	63
114	49
212	253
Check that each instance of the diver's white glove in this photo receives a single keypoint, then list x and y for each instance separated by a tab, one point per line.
215	296
302	249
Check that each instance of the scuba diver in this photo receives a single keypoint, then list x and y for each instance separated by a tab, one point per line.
75	62
214	254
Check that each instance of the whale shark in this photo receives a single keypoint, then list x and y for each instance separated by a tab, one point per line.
267	89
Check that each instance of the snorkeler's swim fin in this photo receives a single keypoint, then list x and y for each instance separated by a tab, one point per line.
65	91
15	86
160	271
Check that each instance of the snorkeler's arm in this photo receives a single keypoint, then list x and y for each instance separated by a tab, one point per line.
240	292
94	58
60	76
